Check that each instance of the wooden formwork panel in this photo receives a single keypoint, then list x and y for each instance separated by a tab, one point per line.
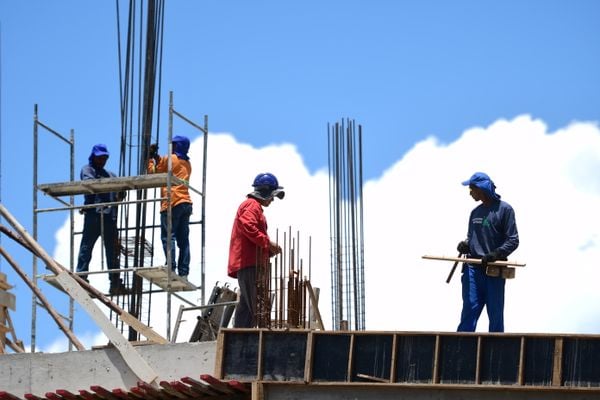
423	358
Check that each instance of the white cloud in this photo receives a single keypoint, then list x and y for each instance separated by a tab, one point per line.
418	207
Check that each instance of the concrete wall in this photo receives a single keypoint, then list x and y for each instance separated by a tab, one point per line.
39	373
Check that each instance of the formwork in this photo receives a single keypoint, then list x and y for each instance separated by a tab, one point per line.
363	364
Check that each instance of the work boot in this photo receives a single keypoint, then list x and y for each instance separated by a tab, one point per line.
118	288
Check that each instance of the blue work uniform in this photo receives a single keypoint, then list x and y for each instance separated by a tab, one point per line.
491	229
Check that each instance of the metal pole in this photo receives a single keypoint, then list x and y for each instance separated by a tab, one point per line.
72	231
203	212
169	214
35	204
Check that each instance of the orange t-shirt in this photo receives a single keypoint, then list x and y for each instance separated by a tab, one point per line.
182	169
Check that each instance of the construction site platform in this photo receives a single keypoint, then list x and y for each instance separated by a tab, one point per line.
156	275
104	185
160	277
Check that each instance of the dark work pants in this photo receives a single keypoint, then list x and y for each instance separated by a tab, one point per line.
479	290
245	311
91	232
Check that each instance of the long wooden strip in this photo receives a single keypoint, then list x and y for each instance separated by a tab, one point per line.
474	261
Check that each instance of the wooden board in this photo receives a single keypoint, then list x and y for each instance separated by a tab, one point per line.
7	300
160	277
104	185
3	283
498	263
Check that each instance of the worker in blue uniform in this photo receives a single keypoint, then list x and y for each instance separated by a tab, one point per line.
492	235
100	221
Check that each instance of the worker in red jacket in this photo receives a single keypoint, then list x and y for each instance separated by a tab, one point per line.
250	246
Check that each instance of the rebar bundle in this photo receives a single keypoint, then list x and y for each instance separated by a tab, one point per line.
346	225
281	289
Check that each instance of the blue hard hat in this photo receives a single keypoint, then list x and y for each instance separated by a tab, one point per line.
266	179
266	186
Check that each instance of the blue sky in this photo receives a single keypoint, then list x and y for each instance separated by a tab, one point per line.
437	75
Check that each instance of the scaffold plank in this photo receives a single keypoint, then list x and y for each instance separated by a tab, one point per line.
160	277
103	185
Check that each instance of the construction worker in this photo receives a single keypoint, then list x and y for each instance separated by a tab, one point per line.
181	202
492	235
250	246
100	221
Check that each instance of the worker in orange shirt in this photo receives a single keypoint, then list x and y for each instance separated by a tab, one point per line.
181	202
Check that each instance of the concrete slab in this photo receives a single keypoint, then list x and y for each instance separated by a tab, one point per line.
40	373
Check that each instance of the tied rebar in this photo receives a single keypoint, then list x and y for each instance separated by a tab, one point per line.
346	225
282	290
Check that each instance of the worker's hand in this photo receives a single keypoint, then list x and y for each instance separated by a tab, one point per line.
153	151
489	257
274	249
463	247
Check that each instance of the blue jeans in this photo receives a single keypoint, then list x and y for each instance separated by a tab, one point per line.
479	290
180	232
91	232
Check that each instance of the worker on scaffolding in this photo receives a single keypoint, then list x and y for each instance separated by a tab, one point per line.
181	202
492	235
250	246
100	221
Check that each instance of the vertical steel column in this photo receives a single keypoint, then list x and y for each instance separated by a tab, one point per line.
169	214
35	235
203	212
346	225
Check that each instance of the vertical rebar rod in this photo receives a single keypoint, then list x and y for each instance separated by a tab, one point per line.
346	231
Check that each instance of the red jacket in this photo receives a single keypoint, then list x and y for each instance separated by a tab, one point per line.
249	245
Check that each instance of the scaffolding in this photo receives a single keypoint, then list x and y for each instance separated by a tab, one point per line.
136	252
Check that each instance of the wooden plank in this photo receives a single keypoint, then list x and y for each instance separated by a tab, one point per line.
4	283
557	362
308	371
373	378
34	288
314	303
393	359
131	357
350	360
478	362
474	261
145	330
104	185
160	277
129	319
259	358
219	355
436	360
7	300
521	376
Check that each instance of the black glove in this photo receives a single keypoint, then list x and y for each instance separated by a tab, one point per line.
463	247
153	150
489	257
